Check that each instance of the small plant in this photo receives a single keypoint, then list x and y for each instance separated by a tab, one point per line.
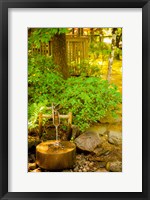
33	113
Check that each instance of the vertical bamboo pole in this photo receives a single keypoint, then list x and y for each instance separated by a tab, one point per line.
69	125
40	124
70	119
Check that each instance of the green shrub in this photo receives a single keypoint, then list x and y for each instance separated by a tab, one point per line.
41	63
44	82
89	99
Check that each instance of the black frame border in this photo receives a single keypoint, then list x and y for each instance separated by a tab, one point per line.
4	6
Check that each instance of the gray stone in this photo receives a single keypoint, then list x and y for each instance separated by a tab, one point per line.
101	151
101	130
88	141
115	166
101	170
31	166
98	151
102	164
115	137
36	170
75	131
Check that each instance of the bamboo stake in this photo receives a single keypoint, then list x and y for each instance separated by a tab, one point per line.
40	123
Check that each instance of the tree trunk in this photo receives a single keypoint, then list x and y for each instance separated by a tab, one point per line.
110	62
111	56
60	54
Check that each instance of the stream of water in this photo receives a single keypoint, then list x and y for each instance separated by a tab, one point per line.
56	133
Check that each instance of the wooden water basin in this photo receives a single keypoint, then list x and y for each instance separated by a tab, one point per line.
53	155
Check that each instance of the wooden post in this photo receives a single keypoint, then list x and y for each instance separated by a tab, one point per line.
69	125
70	119
40	124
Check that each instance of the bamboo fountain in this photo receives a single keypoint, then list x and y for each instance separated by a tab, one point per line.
55	154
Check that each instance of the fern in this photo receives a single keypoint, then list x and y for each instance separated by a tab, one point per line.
33	113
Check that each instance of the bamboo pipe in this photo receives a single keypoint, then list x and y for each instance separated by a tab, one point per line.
41	116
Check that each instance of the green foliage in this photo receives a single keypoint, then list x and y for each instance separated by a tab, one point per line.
40	62
44	35
44	86
33	112
86	68
43	80
100	48
118	53
89	99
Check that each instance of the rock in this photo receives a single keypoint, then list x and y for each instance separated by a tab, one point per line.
31	166
75	131
87	168
91	164
95	159
105	149
98	151
94	168
115	127
33	141
102	164
114	155
36	170
100	130
115	137
114	166
101	170
101	151
84	170
67	170
31	158
75	169
88	141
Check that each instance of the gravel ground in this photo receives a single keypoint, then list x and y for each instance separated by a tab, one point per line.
84	163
